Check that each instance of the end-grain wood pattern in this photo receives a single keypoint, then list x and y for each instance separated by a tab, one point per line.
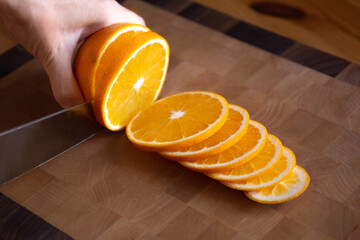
18	223
105	188
6	40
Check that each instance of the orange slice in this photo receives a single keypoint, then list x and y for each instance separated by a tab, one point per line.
243	151
91	51
130	76
178	121
268	156
290	187
269	177
232	131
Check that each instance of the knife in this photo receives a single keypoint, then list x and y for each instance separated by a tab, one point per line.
32	144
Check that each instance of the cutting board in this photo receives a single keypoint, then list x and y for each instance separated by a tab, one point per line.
105	188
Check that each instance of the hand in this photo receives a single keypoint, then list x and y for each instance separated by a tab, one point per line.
51	29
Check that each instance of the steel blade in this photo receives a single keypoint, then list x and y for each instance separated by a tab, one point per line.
27	146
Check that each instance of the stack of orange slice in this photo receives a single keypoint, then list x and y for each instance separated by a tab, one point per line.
204	133
122	68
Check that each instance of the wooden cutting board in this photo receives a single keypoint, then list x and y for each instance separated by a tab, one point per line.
105	188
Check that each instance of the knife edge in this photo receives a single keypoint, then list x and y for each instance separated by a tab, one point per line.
27	146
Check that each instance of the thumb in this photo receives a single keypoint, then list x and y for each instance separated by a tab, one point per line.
63	82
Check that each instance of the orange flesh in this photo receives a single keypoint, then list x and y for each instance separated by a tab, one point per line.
230	127
99	68
137	85
246	144
278	168
155	123
91	52
283	186
258	162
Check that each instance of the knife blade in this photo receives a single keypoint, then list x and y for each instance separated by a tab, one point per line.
32	144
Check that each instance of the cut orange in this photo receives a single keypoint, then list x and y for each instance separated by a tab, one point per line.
91	51
290	187
243	151
178	121
269	177
232	131
268	156
130	76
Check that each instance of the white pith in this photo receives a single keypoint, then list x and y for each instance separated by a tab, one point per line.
163	43
261	128
176	114
278	151
155	143
206	149
294	191
290	160
138	84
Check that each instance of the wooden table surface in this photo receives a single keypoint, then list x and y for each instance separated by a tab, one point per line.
107	189
330	25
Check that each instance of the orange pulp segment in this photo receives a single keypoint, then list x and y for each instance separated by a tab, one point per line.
269	177
290	187
268	156
178	121
131	75
232	131
91	51
243	151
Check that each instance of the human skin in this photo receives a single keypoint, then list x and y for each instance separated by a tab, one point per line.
51	29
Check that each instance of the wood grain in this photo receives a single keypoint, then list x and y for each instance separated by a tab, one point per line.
331	26
260	38
351	74
6	40
288	227
205	16
18	223
25	95
315	59
105	188
13	59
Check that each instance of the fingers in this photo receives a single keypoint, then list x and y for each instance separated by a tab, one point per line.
118	14
50	31
79	25
128	16
63	82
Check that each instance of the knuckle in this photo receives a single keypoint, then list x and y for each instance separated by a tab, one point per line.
141	21
46	56
136	19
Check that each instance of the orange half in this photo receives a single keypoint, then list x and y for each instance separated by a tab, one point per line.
88	57
130	77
